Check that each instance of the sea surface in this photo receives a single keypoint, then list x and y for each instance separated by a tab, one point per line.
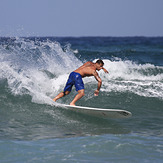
33	129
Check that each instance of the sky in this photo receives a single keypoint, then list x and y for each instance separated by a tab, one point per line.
78	18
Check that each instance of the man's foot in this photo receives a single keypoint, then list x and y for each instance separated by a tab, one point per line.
54	100
72	104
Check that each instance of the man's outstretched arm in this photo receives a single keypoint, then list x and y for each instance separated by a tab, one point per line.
95	74
105	70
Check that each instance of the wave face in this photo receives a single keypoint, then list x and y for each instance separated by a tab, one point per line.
35	67
40	69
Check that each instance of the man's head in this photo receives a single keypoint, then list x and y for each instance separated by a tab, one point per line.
99	64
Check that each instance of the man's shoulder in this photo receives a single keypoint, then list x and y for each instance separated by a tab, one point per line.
88	63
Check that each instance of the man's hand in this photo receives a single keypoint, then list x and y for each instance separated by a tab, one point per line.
96	93
105	70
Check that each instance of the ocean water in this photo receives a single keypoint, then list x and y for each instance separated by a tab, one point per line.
34	129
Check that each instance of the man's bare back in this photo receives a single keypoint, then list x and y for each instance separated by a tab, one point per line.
87	69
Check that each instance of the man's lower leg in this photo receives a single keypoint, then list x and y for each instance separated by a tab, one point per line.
77	97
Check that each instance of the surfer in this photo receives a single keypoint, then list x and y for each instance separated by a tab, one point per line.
75	78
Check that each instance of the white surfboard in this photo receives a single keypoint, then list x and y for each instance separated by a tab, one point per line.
99	112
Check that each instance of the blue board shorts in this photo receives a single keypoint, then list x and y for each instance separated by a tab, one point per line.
74	79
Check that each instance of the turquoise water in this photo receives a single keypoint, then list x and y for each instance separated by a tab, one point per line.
34	129
104	148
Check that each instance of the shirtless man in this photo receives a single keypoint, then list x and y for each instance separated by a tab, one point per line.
75	78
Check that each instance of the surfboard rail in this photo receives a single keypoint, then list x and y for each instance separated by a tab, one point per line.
99	112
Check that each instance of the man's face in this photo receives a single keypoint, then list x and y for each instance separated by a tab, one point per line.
99	66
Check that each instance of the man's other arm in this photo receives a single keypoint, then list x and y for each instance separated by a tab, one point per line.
95	74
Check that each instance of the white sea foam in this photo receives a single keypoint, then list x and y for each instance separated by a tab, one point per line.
24	68
126	76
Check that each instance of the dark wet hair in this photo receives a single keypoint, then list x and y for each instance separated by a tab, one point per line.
99	61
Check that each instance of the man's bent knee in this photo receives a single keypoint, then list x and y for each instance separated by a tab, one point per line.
81	92
65	93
